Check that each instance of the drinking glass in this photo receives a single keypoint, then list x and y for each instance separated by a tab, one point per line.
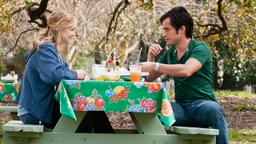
135	73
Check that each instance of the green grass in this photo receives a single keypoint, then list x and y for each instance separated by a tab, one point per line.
244	136
244	106
242	94
236	93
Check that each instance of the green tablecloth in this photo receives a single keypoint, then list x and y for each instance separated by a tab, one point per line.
143	97
8	91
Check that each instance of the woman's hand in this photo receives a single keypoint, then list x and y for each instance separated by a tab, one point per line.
80	74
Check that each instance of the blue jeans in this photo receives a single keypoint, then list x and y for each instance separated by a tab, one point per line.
202	113
31	119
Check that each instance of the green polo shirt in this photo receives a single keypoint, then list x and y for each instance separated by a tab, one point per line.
200	84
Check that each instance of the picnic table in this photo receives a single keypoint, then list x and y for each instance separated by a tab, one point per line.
8	94
146	102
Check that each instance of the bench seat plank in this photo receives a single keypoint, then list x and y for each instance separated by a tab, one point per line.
195	130
18	126
8	108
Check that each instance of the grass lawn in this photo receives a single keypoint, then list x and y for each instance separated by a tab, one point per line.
241	94
243	136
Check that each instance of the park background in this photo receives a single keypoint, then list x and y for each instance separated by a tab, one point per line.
227	26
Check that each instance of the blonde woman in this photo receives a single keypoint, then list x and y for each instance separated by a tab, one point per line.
45	68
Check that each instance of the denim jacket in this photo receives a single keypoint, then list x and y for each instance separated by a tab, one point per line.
43	71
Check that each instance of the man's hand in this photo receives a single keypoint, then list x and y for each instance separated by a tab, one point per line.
80	74
147	66
153	51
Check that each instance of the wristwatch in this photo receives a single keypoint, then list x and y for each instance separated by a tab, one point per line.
157	66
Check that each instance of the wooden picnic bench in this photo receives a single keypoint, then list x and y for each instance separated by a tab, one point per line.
14	132
12	109
18	129
196	135
8	108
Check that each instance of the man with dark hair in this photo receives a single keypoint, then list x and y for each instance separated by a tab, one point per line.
190	63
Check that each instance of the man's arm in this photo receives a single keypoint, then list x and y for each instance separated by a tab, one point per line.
179	70
153	75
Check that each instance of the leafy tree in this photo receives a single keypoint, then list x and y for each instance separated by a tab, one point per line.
237	47
228	26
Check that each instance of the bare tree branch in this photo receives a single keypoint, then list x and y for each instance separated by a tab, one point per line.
134	29
215	28
18	10
207	25
224	24
114	19
17	40
9	18
34	14
118	14
38	13
150	2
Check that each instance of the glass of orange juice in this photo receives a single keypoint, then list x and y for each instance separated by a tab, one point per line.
135	73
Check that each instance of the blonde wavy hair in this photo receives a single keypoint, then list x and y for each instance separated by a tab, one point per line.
57	21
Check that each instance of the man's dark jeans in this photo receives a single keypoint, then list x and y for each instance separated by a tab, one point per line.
202	113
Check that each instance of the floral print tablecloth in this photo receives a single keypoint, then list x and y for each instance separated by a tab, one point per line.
8	92
143	97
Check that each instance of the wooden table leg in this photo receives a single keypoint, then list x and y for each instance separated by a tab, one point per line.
66	124
147	123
